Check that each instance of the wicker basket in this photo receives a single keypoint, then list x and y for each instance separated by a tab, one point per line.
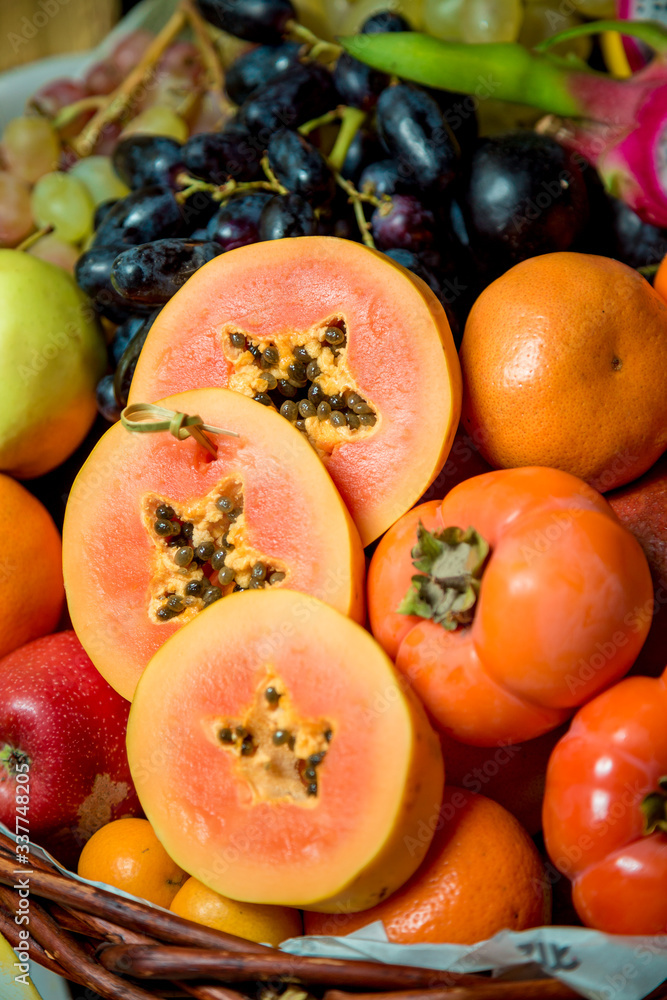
112	945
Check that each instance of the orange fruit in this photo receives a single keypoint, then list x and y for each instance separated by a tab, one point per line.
31	579
254	921
564	359
660	280
126	854
482	873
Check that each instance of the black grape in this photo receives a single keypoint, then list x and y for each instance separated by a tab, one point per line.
93	275
287	215
415	133
217	156
384	20
151	213
292	98
143	160
525	196
358	84
128	362
255	68
151	273
103	210
403	222
255	20
105	397
364	149
122	337
300	167
236	224
386	177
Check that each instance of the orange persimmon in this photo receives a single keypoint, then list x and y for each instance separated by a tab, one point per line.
530	598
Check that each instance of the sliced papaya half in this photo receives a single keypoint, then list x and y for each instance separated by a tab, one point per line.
157	528
343	341
280	759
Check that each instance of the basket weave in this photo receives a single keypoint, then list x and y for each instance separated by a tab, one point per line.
112	945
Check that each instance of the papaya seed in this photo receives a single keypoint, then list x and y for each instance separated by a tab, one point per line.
238	340
272	355
312	788
225	735
352	421
193	588
258	571
165	513
224	504
276	577
301	354
272	695
204	551
313	371
289	410
164	528
280	737
338	418
333	335
211	594
184	555
323	411
306	408
225	575
367	419
261	397
286	389
218	559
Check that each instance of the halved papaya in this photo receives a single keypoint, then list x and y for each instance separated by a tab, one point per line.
280	758
156	529
347	344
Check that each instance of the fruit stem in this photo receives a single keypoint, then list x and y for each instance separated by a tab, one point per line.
317	47
325	119
69	112
271	177
117	102
351	121
209	55
357	198
137	417
654	808
651	33
34	238
450	565
11	758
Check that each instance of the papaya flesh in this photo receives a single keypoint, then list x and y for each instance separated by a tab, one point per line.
335	324
156	529
280	759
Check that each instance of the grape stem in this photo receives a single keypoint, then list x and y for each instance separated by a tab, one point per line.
271	177
209	55
351	121
222	192
317	47
30	241
69	112
118	101
357	199
325	119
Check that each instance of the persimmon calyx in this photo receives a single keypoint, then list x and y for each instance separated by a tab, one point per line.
654	808
450	565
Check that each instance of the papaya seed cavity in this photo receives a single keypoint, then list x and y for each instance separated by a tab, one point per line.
201	552
279	753
305	376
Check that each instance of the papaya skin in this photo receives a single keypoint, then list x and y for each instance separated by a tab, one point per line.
380	782
293	514
400	353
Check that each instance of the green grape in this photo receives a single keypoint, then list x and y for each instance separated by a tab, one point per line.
442	18
31	148
158	120
312	15
546	18
491	20
63	201
100	178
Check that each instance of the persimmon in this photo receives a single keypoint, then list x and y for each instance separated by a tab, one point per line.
530	598
607	831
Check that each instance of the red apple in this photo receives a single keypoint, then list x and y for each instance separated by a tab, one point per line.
63	766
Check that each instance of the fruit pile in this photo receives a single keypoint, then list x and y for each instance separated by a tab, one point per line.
346	607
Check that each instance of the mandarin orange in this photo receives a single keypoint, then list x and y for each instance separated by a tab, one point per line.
127	855
564	361
482	873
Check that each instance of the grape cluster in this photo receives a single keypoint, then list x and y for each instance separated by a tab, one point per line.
310	142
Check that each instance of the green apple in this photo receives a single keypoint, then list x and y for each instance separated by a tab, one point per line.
52	354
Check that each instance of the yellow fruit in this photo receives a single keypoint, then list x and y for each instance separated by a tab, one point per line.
254	921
